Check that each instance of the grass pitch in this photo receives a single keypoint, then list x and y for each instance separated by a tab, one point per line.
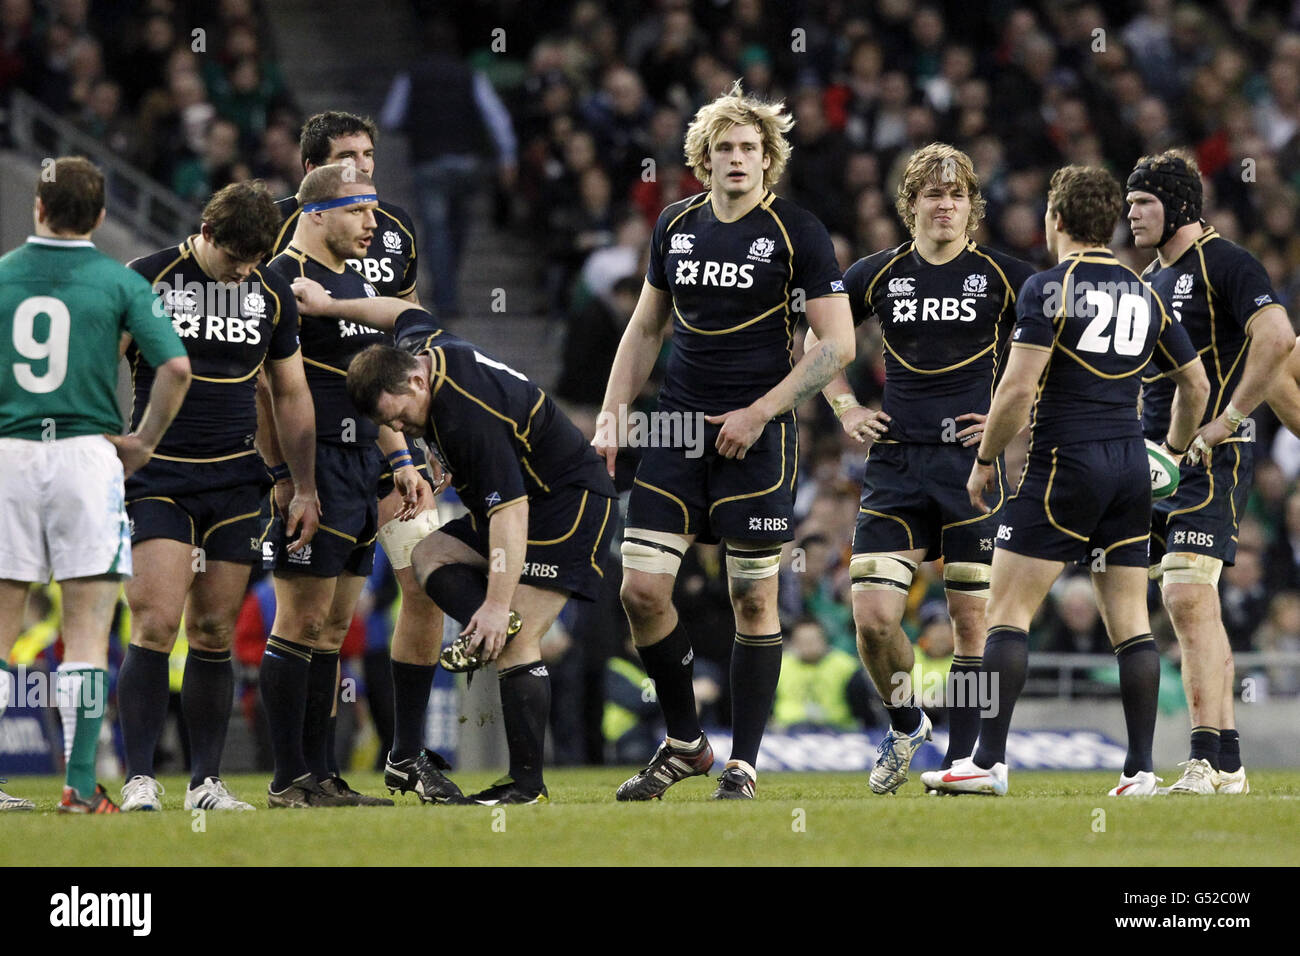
817	819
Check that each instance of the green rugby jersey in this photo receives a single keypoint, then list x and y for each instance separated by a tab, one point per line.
63	308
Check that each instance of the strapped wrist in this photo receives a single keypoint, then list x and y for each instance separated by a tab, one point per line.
842	403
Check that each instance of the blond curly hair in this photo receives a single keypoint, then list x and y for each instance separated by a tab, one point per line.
939	163
734	108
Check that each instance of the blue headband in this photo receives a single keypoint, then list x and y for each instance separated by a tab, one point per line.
341	201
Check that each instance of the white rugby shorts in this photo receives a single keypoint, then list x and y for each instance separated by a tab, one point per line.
63	512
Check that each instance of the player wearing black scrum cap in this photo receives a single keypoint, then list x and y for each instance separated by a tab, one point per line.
1222	296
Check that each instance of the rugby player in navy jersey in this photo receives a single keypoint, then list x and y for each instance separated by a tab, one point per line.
389	265
317	588
1085	331
732	270
195	528
1224	299
946	307
541	508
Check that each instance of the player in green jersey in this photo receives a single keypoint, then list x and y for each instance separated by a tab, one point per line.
60	424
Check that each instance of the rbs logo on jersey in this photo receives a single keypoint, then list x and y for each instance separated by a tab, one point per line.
934	310
375	270
721	274
235	330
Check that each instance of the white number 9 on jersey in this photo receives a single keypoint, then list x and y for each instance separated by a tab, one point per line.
53	350
1131	324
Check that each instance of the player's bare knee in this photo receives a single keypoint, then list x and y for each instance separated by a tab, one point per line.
874	631
643	602
154	629
210	633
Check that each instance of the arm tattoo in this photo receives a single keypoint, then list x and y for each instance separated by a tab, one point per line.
824	366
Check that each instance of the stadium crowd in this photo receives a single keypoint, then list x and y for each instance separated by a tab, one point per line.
599	105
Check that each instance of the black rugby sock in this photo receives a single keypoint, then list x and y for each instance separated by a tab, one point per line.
1205	745
963	705
525	708
322	685
1139	689
755	669
411	686
283	684
143	687
1229	751
206	698
670	663
1006	661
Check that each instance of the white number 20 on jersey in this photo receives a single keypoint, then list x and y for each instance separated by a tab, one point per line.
1131	323
54	350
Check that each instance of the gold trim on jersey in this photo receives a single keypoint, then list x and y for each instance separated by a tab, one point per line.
911	546
790	320
757	494
206	461
514	425
184	251
1254	315
529	468
673	221
1047	504
229	381
866	298
292	218
582	506
934	371
328	368
783	304
502	504
1223	396
686	515
541	397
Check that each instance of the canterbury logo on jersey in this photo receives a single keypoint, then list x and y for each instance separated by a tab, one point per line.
934	310
234	330
904	285
722	274
681	242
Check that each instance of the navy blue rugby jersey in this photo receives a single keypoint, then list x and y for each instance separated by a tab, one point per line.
229	330
946	329
1214	289
328	347
737	290
501	437
390	262
1103	325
